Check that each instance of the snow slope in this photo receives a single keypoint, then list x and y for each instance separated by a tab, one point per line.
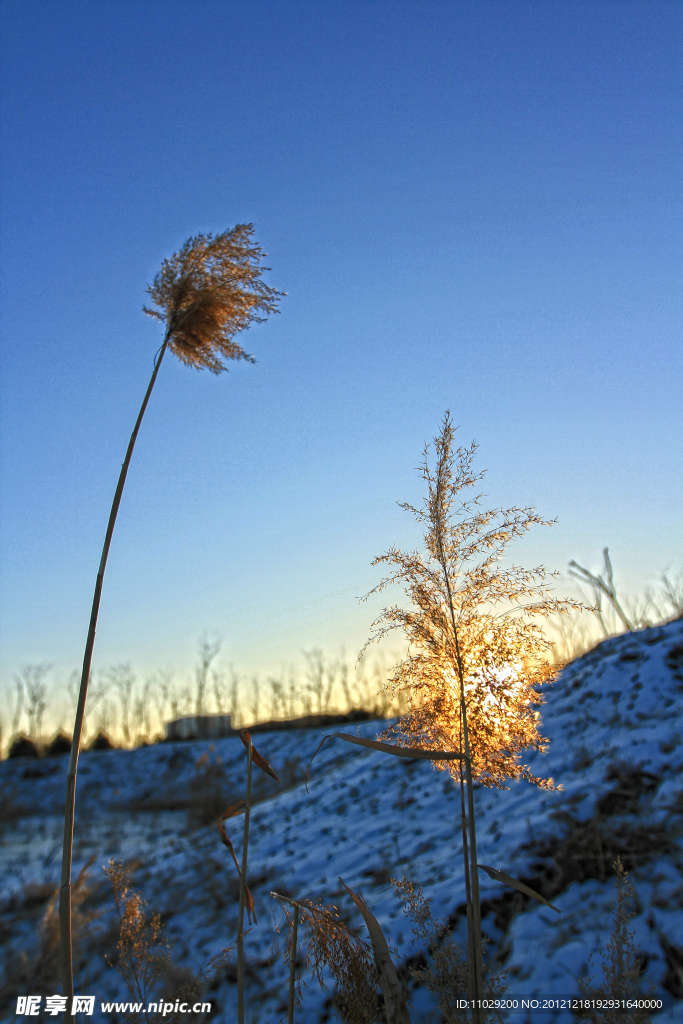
614	721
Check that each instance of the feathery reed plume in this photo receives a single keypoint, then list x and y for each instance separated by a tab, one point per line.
328	943
472	673
205	294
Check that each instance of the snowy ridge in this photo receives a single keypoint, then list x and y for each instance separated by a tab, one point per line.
614	722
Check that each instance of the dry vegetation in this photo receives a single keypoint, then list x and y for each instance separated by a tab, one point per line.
470	686
621	964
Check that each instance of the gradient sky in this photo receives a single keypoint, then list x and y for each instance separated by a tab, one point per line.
471	205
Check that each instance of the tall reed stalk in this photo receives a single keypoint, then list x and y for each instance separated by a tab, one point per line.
206	293
292	966
243	884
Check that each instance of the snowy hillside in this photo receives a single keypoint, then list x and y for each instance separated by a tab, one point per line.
614	721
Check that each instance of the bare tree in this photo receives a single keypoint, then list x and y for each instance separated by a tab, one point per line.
18	704
208	652
672	592
602	586
35	689
316	676
219	691
235	714
255	698
121	679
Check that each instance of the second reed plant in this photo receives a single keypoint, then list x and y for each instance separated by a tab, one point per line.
477	652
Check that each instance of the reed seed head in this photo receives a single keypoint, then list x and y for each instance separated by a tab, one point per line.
209	291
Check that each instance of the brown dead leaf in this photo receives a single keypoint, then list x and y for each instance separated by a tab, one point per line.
412	752
234	809
248	898
394	998
500	876
317	749
257	758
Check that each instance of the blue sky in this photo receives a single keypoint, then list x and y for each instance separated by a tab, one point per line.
473	206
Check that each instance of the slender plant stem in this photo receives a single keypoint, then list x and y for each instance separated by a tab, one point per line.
474	874
468	890
292	966
66	957
243	887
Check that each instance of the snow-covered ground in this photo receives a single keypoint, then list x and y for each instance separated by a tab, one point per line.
614	720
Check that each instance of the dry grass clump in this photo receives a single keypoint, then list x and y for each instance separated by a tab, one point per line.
329	944
621	967
144	956
36	968
622	829
447	974
208	789
142	952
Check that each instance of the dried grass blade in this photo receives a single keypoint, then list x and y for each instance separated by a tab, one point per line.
500	876
257	758
233	810
317	749
394	999
412	752
249	904
248	898
225	839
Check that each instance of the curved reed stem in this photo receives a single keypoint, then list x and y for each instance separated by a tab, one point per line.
67	850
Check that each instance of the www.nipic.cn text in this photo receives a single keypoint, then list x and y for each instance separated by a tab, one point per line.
30	1006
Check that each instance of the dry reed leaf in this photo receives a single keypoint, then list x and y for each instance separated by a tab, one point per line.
225	839
394	998
234	809
500	876
249	904
257	758
248	898
317	749
412	752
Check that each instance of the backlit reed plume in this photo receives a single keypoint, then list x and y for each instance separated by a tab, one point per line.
205	294
477	652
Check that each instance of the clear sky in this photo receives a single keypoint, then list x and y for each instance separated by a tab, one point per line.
471	205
